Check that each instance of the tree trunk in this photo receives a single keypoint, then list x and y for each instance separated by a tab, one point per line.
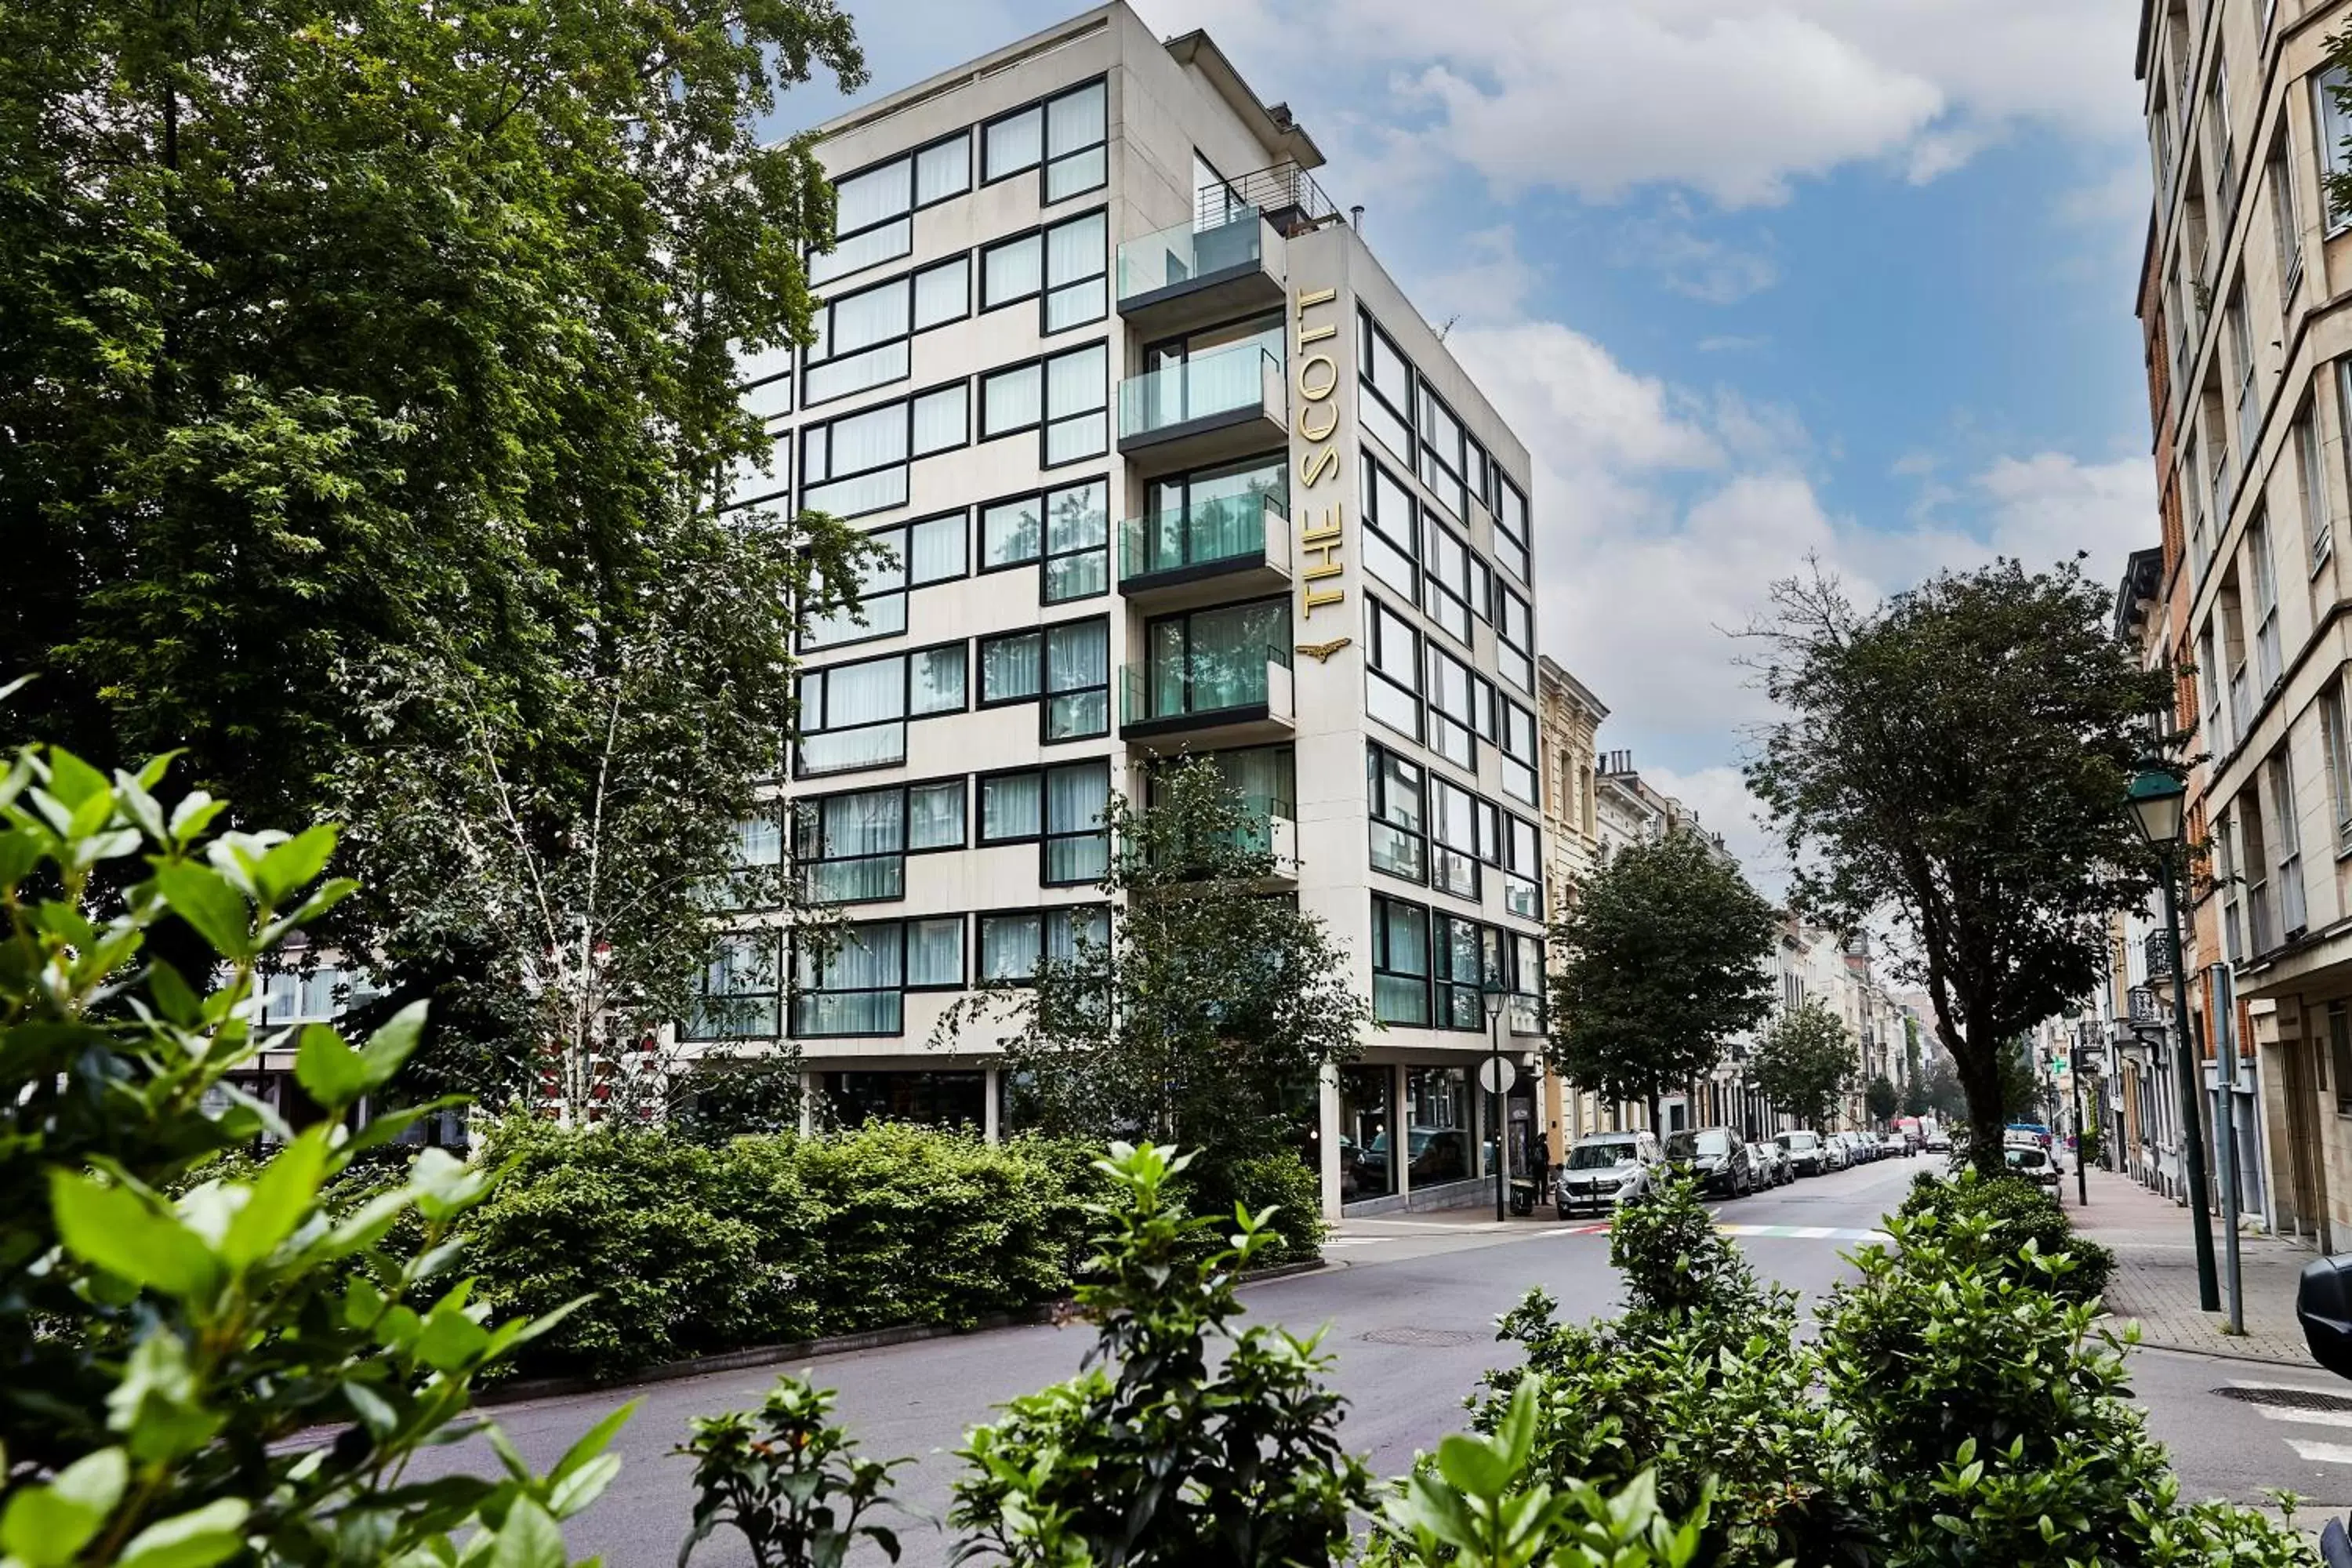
1978	1065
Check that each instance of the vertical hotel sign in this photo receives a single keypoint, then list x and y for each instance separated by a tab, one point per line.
1319	499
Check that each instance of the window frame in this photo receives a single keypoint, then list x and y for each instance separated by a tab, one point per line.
1376	637
906	585
1368	329
909	457
1045	692
801	860
1378	759
1382	955
906	215
1043	914
909	283
1041	557
1046	421
780	957
907	715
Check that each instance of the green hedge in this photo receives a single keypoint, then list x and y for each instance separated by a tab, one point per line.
689	1248
2024	1212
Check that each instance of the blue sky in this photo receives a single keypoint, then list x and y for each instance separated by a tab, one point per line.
1752	278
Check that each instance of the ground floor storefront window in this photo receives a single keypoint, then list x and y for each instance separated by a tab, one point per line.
933	1099
1367	1148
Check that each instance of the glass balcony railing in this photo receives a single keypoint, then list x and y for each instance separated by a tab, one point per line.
1225	242
1230	528
1205	684
1244	376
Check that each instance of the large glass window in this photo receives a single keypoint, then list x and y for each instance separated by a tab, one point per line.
1077	843
1510	508
852	848
1391	668
1399	961
871	208
931	551
1077	132
1437	1125
1066	396
1078	272
1013	944
1458	957
1367	1128
2336	741
1399	833
1212	661
742	988
857	464
855	716
1383	389
1441	461
1445	579
1454	834
1067	528
849	981
1453	708
863	338
1517	741
1067	665
2332	125
1523	869
1209	514
1388	533
1515	637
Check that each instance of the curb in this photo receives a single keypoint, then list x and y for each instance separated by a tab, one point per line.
811	1350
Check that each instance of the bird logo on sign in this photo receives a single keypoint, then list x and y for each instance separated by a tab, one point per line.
1321	652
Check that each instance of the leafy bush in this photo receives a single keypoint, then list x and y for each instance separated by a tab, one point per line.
789	1481
1990	1420
692	1248
1152	1456
2022	1213
1285	1196
172	1316
1956	1409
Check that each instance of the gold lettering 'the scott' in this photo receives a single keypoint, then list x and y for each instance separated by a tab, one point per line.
1318	464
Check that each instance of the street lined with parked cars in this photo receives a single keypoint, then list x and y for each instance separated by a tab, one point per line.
1608	1169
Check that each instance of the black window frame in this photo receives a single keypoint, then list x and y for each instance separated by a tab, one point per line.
906	215
1047	157
1041	556
1046	693
1381	814
1042	833
1471	854
906	461
909	281
1376	637
1383	957
1525	664
1042	913
1505	709
1436	712
1458	1003
1046	420
803	857
869	595
1429	407
1432	579
779	958
907	657
1368	328
792	1027
1384	529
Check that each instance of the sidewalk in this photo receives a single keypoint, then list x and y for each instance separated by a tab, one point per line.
2155	1274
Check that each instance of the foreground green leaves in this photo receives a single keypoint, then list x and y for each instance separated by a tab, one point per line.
173	1331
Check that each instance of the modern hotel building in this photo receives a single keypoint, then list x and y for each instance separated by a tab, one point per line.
1166	464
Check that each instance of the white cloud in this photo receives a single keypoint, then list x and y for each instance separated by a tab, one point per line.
1710	270
1724	96
1491	283
1719	796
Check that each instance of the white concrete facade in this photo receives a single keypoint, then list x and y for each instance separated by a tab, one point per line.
1124	426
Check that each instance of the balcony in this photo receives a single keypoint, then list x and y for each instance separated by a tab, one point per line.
1206	409
1285	193
1219	698
1273	829
1222	265
1227	548
2158	951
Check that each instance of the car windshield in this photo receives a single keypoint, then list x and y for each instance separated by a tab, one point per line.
1599	1156
2027	1159
1800	1139
1705	1144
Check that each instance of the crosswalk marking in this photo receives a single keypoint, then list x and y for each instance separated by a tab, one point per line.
2316	1417
2321	1453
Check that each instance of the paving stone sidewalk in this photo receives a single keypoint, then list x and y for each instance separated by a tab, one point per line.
2155	1274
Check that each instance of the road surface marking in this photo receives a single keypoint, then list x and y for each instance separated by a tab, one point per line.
2321	1453
2286	1387
2316	1417
1765	1231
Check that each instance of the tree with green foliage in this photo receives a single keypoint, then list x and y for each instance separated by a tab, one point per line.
1805	1062
1954	761
1880	1099
165	1352
1944	1095
1209	1011
370	387
1661	960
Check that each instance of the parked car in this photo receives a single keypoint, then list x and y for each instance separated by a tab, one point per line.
1835	1156
1864	1148
1715	1157
2034	1162
1606	1170
1772	1161
1933	1135
1807	1156
2040	1132
1906	1128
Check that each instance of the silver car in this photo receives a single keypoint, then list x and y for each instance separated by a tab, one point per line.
1608	1169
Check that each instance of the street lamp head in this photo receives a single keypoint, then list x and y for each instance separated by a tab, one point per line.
1494	993
2158	800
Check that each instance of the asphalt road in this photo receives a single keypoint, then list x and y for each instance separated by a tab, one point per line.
1409	1308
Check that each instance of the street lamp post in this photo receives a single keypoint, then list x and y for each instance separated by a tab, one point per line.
2158	802
1494	995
